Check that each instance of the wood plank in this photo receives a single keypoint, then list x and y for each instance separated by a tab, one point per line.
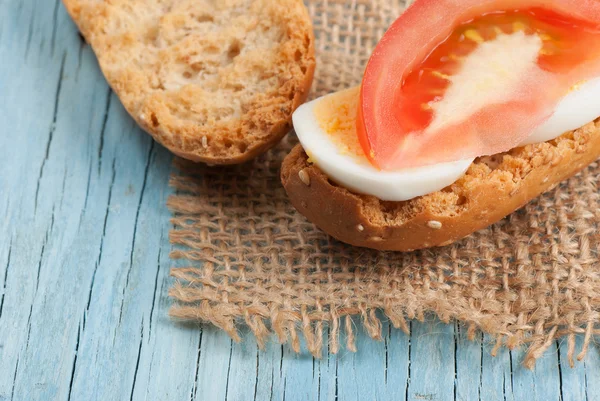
398	363
362	375
572	380
213	365
541	384
298	379
32	107
276	373
117	326
592	367
496	373
379	370
84	294
166	366
243	368
469	365
269	372
432	361
326	372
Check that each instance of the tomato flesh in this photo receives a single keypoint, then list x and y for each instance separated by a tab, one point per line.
564	47
396	100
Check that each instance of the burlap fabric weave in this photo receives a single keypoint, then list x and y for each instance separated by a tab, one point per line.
252	259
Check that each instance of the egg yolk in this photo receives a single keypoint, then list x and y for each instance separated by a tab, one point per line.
336	116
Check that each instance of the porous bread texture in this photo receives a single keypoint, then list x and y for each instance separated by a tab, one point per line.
214	81
492	188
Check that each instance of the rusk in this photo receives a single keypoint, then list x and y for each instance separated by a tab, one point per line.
492	188
214	81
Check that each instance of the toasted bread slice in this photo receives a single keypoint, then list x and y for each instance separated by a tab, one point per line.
492	188
214	81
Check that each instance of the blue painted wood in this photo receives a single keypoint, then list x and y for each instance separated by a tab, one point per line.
270	376
469	358
543	384
298	379
573	381
592	367
84	268
496	373
243	369
433	362
398	364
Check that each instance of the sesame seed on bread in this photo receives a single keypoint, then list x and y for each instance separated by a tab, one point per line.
214	81
492	188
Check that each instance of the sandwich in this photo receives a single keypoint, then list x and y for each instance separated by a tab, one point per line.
467	111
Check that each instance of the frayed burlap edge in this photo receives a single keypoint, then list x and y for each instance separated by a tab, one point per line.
252	259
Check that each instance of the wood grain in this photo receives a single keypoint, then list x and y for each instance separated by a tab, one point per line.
84	267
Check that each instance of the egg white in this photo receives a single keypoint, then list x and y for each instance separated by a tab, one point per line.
579	107
361	176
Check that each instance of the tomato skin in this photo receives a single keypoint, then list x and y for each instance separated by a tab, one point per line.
391	139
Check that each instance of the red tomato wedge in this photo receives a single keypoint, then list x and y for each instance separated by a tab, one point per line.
458	79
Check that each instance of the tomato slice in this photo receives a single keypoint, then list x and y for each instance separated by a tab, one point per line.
458	79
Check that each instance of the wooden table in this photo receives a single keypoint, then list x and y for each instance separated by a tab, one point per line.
84	267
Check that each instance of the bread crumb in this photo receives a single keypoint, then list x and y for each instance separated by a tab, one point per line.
556	161
545	180
204	142
304	177
436	225
360	227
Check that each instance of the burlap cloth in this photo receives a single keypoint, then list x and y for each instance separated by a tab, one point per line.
254	260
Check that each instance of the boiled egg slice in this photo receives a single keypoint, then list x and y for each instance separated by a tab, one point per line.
326	128
579	107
